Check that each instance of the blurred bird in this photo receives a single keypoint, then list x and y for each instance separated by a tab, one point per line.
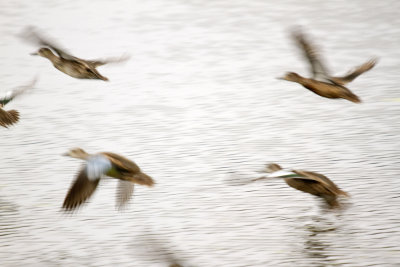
12	116
98	165
63	61
321	82
310	182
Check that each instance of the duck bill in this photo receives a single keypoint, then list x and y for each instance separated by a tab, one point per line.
34	54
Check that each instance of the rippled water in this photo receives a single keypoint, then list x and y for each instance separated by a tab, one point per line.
197	105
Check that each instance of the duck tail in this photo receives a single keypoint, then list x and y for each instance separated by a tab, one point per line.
343	193
104	78
143	179
352	97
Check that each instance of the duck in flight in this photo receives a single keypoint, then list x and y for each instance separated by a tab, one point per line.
309	182
65	62
10	117
321	82
97	166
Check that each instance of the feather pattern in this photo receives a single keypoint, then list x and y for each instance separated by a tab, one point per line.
349	77
124	193
8	118
318	69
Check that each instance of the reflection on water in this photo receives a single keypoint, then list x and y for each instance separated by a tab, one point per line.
199	109
316	247
8	216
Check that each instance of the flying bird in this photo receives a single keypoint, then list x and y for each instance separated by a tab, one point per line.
64	61
10	117
100	165
321	82
309	182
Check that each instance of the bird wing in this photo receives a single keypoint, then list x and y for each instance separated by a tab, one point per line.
100	62
355	73
318	69
8	117
328	184
81	189
10	95
32	34
124	192
122	162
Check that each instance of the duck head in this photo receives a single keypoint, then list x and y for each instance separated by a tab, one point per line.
273	167
291	76
270	168
43	52
78	153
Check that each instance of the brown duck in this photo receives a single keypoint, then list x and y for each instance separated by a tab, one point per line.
321	82
98	165
65	62
310	182
10	117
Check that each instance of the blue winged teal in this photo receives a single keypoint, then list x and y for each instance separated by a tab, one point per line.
10	117
321	83
310	182
65	62
98	165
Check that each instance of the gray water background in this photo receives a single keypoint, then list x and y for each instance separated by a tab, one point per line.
196	106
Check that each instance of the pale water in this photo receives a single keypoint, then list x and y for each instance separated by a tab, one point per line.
196	106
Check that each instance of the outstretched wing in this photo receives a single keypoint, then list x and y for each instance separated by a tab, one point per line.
124	193
318	69
32	35
8	117
10	95
355	73
100	62
80	191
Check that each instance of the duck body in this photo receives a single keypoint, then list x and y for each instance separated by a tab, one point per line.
125	169
309	182
74	67
99	165
327	89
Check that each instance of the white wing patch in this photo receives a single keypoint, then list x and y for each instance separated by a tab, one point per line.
280	173
97	166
